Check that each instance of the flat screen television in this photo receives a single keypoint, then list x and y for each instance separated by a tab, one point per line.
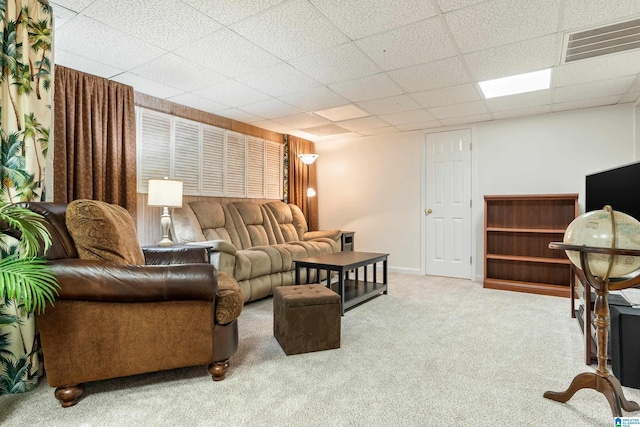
617	187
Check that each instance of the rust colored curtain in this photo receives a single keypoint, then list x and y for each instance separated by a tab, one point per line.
94	139
298	174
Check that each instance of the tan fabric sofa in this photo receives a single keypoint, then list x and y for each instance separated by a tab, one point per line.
254	243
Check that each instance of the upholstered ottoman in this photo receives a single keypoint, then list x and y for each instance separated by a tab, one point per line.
306	318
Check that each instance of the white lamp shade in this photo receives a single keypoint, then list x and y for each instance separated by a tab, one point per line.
308	159
165	192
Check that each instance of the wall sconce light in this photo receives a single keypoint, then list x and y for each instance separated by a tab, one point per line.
308	159
168	194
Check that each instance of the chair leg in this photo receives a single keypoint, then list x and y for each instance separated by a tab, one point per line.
69	395
219	369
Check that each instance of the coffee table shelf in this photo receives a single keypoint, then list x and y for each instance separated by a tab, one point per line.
351	291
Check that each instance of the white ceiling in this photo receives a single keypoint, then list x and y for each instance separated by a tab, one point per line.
409	64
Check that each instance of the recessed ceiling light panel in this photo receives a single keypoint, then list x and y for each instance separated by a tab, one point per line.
520	83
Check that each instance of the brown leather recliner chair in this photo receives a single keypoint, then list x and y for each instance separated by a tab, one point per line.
113	320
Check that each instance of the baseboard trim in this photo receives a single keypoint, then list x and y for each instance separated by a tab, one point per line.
403	270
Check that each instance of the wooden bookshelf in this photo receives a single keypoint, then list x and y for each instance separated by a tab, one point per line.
517	233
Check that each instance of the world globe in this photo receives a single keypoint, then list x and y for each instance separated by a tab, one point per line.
594	229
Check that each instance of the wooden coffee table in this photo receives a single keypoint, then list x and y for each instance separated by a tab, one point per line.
351	291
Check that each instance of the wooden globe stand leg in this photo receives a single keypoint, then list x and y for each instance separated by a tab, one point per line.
601	381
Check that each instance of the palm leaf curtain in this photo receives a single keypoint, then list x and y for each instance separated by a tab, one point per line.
25	121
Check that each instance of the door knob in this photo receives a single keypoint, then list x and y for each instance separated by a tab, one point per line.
429	211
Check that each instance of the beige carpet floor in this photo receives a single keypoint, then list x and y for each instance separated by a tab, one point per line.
433	352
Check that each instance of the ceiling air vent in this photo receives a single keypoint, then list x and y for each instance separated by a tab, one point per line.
603	41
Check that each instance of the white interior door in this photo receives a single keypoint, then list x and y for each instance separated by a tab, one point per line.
448	204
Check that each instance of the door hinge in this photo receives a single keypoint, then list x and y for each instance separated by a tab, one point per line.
470	260
470	203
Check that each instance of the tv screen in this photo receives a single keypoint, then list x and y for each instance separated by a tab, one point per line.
618	187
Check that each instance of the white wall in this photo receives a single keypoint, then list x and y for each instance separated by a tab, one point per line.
373	185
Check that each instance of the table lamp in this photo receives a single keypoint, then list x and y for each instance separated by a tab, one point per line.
168	194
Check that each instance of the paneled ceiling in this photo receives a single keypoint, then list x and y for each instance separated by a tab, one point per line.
405	64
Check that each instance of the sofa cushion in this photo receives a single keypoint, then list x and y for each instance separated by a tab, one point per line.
103	231
229	299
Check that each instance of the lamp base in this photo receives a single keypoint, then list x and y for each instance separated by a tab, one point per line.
165	242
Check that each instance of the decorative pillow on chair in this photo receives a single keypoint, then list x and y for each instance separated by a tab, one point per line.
103	231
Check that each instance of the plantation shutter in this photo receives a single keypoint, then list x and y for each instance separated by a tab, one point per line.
236	165
154	148
187	156
213	170
255	167
273	170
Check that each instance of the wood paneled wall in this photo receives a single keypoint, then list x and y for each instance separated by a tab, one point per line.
164	106
148	219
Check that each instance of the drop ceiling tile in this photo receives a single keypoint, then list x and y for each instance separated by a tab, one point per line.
591	13
587	103
198	102
336	64
147	86
346	112
379	131
271	109
459	110
593	90
629	97
466	120
447	95
532	111
393	104
92	40
423	41
227	12
61	15
337	136
600	68
407	117
227	53
366	88
305	135
159	22
175	71
515	58
279	80
363	18
273	126
422	125
519	101
232	93
74	5
433	75
363	123
499	22
326	130
291	29
240	116
301	121
449	5
318	98
71	60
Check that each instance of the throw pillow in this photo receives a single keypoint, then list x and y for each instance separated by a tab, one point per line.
103	231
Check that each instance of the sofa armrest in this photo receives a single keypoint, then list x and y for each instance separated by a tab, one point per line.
167	255
89	280
216	246
331	234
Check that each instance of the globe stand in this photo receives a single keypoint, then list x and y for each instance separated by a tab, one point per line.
602	380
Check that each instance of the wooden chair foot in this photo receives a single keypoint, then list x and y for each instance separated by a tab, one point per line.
69	395
218	370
